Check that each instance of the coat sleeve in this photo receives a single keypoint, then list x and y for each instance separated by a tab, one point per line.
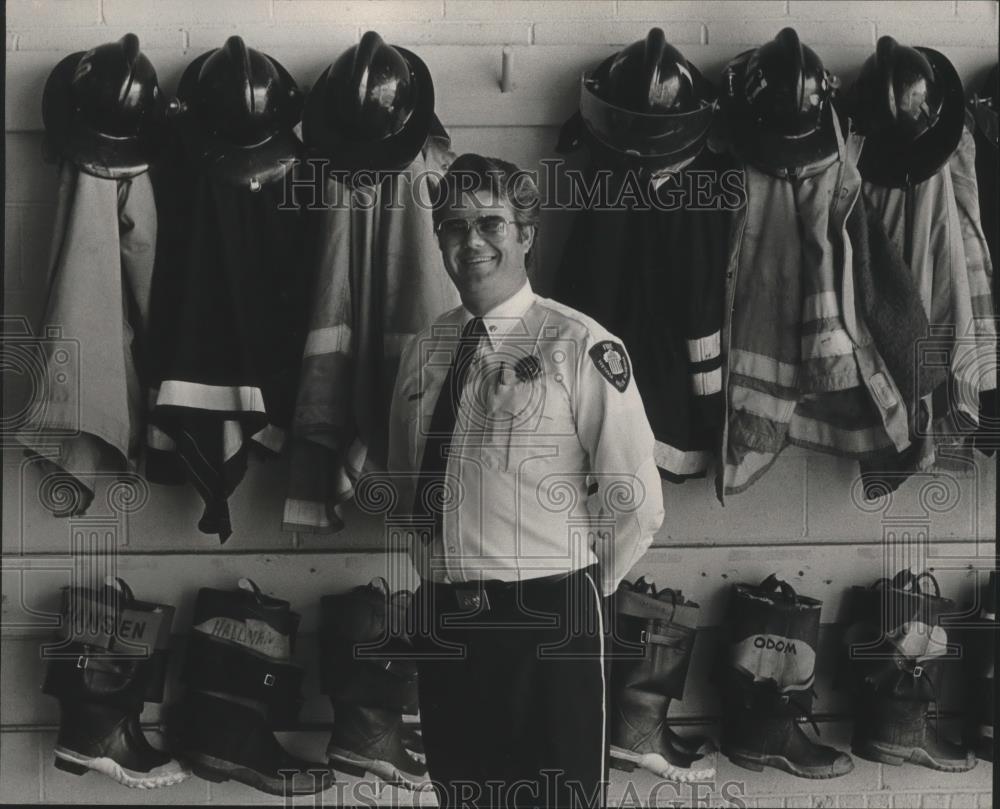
627	508
705	286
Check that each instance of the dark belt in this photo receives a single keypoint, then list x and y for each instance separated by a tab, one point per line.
493	594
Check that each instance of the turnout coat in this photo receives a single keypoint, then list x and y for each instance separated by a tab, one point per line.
647	260
379	279
227	326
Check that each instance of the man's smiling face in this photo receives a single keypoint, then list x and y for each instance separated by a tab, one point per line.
487	268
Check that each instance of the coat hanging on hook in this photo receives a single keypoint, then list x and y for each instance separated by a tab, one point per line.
376	264
103	116
229	289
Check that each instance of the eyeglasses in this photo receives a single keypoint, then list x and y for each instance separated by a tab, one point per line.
485	226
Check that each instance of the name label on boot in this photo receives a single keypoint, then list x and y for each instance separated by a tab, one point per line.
787	661
251	633
90	620
779	644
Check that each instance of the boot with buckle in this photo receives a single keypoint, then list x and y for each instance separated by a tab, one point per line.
767	679
897	652
242	687
366	668
654	637
112	660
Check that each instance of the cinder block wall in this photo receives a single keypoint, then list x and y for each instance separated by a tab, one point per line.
803	519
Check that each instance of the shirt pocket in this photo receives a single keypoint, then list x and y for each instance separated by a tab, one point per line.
520	430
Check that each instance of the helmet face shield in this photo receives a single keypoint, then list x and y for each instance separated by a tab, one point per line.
647	105
642	133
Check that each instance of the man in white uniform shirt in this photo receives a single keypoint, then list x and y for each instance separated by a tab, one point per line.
520	441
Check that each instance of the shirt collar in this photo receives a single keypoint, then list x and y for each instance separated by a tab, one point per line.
503	317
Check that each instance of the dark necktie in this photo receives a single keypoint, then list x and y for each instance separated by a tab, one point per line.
430	492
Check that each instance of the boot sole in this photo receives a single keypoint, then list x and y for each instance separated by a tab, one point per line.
77	764
217	770
896	755
758	763
390	773
627	761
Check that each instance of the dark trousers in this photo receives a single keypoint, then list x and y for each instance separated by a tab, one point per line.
512	696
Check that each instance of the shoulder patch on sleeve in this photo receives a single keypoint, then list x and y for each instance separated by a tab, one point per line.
612	361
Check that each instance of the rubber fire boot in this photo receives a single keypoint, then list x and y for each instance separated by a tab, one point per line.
767	682
894	731
897	651
241	688
112	659
366	668
654	636
980	651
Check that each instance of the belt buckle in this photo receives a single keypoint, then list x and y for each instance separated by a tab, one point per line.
472	598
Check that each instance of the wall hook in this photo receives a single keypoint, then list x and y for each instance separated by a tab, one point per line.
507	70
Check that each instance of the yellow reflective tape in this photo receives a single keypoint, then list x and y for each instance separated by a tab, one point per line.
328	340
180	393
833	343
761	404
707	382
705	348
310	513
819	306
679	461
819	433
766	369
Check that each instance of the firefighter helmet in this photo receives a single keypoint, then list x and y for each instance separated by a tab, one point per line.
647	105
909	105
236	109
778	102
103	110
373	108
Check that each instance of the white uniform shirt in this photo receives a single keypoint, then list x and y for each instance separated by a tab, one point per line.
549	409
